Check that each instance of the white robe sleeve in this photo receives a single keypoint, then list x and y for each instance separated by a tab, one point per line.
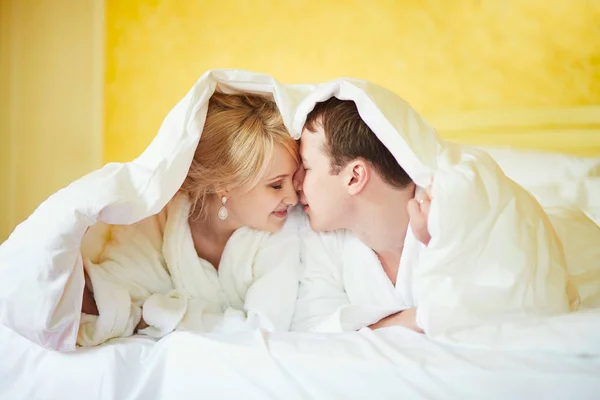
321	294
271	298
255	288
261	296
126	273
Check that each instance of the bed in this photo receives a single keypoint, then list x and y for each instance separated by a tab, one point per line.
556	358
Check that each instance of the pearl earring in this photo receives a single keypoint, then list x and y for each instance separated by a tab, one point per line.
222	210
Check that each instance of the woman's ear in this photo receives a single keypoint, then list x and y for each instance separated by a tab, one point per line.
223	193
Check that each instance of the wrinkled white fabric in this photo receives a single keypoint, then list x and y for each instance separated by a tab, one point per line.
383	364
556	180
151	268
344	286
493	252
494	255
41	267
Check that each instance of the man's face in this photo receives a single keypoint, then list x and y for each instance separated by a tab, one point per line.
324	195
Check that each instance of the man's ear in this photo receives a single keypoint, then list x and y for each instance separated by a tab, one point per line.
356	175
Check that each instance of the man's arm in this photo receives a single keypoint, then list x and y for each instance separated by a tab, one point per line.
406	318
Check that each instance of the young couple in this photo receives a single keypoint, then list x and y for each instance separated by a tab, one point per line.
233	251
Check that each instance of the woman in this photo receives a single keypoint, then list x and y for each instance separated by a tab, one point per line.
223	255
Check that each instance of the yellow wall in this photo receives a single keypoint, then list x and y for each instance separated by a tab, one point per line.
448	58
518	72
51	67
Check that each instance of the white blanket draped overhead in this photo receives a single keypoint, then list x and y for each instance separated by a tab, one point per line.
41	268
493	252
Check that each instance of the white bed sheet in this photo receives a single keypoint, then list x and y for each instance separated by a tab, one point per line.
561	360
386	364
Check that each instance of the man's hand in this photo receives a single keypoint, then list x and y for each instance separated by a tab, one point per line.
406	318
418	211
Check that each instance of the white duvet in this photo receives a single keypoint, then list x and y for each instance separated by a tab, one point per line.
386	364
493	262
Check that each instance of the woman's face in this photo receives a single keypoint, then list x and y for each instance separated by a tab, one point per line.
265	206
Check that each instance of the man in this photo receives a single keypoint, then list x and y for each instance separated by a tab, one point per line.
369	223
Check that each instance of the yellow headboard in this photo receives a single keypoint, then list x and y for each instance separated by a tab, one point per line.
522	73
573	130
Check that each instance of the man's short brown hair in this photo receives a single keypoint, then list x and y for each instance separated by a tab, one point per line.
347	137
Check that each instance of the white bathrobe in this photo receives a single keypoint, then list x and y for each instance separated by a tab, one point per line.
344	286
151	268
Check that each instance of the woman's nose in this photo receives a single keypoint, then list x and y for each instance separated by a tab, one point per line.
298	179
291	197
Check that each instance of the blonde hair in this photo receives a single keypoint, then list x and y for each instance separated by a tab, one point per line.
236	146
